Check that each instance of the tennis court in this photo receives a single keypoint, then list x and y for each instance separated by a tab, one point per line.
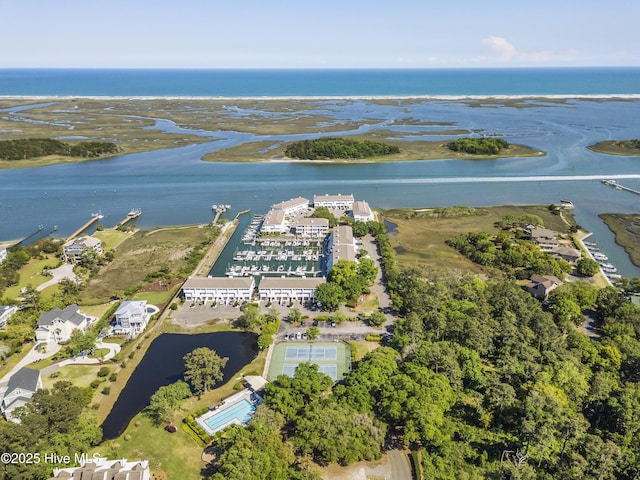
333	359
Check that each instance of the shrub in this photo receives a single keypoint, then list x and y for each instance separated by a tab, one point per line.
113	377
106	390
95	384
104	371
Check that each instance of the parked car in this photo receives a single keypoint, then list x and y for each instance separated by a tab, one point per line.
298	335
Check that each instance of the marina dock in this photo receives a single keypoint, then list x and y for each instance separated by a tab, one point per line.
134	213
617	186
219	210
94	218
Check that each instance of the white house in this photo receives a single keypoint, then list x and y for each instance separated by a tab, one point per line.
361	212
293	206
218	289
287	289
131	318
56	325
340	202
274	222
311	227
341	246
104	469
73	249
21	387
6	312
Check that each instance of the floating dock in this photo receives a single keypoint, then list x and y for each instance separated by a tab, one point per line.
134	213
94	218
617	186
219	210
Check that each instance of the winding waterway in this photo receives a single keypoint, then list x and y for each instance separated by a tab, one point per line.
173	186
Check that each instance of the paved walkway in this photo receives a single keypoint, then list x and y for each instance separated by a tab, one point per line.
114	348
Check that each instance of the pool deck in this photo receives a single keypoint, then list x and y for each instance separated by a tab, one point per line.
246	394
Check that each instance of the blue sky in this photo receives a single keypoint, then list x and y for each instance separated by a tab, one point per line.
318	34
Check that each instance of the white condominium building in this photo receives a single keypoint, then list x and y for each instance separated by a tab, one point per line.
284	290
341	202
341	246
274	222
311	227
361	212
218	289
293	206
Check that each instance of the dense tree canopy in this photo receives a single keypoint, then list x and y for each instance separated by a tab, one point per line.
40	147
329	148
203	368
478	146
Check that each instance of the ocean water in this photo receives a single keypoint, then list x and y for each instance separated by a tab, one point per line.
320	83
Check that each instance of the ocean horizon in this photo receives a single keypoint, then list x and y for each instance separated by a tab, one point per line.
322	83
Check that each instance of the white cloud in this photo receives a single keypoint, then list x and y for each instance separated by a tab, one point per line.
501	46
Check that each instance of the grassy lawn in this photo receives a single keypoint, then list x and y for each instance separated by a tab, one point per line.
79	375
111	238
421	236
369	304
155	298
363	347
30	275
95	310
13	360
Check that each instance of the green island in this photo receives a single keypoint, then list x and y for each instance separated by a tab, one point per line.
626	228
29	148
338	148
478	379
479	146
618	147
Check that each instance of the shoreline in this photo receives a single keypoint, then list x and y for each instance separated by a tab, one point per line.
564	96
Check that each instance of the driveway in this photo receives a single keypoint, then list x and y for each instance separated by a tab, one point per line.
34	355
63	271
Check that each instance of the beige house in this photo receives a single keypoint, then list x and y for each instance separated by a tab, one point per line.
341	246
541	285
274	222
546	239
72	250
293	206
571	255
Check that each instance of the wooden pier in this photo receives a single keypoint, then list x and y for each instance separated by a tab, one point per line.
617	186
135	213
94	218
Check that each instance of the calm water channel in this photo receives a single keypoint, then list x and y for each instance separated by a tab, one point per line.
163	364
173	186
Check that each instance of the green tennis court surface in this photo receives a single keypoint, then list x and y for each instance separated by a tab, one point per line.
333	359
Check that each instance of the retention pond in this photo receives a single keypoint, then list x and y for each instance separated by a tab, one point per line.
163	364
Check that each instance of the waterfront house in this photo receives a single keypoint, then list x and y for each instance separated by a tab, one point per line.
274	222
361	212
131	318
571	255
6	312
293	206
73	249
541	285
21	387
311	227
546	239
218	289
341	246
287	289
104	469
56	325
338	202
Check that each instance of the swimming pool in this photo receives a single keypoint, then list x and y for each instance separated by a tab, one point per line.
241	411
